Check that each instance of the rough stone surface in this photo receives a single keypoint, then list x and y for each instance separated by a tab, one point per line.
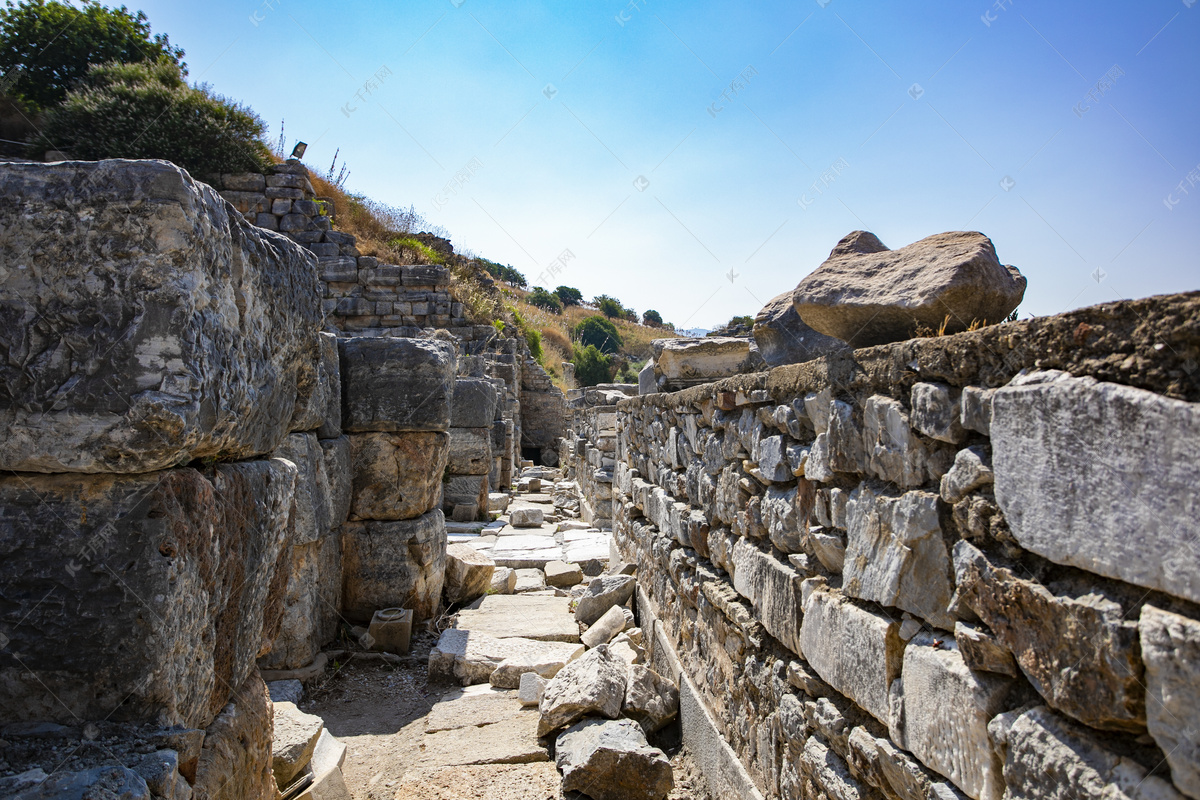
895	554
562	574
773	587
336	455
144	325
686	362
1076	646
611	760
602	594
1051	758
857	652
783	338
935	412
99	782
396	384
546	619
475	402
866	294
311	507
940	713
593	684
470	451
605	628
235	760
981	652
1171	651
504	581
471	657
397	475
509	741
393	565
972	470
531	689
169	582
319	408
468	573
1101	476
539	781
474	705
526	517
293	741
650	699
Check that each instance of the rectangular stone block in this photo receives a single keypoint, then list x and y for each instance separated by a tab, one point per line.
310	514
464	490
181	333
319	406
296	643
1102	477
1171	650
773	588
470	451
857	652
235	759
393	565
396	384
397	475
140	597
475	401
338	471
940	714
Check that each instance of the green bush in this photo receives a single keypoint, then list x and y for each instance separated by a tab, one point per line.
609	306
652	318
148	111
569	296
533	338
49	46
598	332
542	299
591	366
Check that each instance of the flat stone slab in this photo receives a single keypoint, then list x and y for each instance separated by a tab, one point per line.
510	741
471	657
526	559
539	781
545	619
587	550
471	707
546	531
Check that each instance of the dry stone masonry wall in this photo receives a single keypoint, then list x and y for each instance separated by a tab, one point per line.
960	566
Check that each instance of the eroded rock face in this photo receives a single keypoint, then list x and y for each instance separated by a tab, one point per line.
472	657
396	475
396	384
468	573
475	402
397	564
1171	650
602	594
235	760
679	363
866	294
182	332
593	684
783	338
1101	477
611	760
143	597
650	699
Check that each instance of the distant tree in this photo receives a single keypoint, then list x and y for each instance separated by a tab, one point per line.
591	366
542	299
652	318
49	46
533	338
569	296
598	332
629	314
609	306
513	277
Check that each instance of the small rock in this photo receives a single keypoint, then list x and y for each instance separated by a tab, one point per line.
611	760
531	689
650	699
605	628
602	594
972	469
530	580
504	581
526	517
623	648
293	742
980	650
498	501
468	573
594	684
286	691
562	574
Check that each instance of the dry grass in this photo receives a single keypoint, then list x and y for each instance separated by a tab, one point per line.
556	328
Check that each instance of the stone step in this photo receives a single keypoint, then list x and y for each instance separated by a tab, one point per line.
547	619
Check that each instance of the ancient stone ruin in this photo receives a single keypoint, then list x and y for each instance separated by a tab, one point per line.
890	546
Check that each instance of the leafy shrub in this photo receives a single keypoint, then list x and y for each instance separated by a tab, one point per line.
569	296
598	332
533	338
504	273
542	299
652	318
49	46
609	306
591	366
148	111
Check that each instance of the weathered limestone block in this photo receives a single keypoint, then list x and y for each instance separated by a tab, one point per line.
319	406
468	573
855	651
866	294
1171	650
472	657
772	460
972	470
470	451
397	475
298	640
396	384
602	594
687	362
109	781
824	774
593	684
940	714
329	586
1075	644
465	490
293	740
606	628
336	454
784	526
144	325
895	554
783	338
773	588
981	651
235	760
650	699
475	401
1101	477
893	452
1050	758
611	760
311	502
935	412
139	597
393	565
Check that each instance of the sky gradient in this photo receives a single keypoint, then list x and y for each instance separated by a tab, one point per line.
700	158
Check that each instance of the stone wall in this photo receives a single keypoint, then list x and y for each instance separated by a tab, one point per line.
948	567
589	452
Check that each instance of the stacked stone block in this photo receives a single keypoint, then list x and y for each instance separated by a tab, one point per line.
145	525
591	449
543	412
954	567
472	423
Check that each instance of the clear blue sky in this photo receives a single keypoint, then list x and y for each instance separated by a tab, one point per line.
944	115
